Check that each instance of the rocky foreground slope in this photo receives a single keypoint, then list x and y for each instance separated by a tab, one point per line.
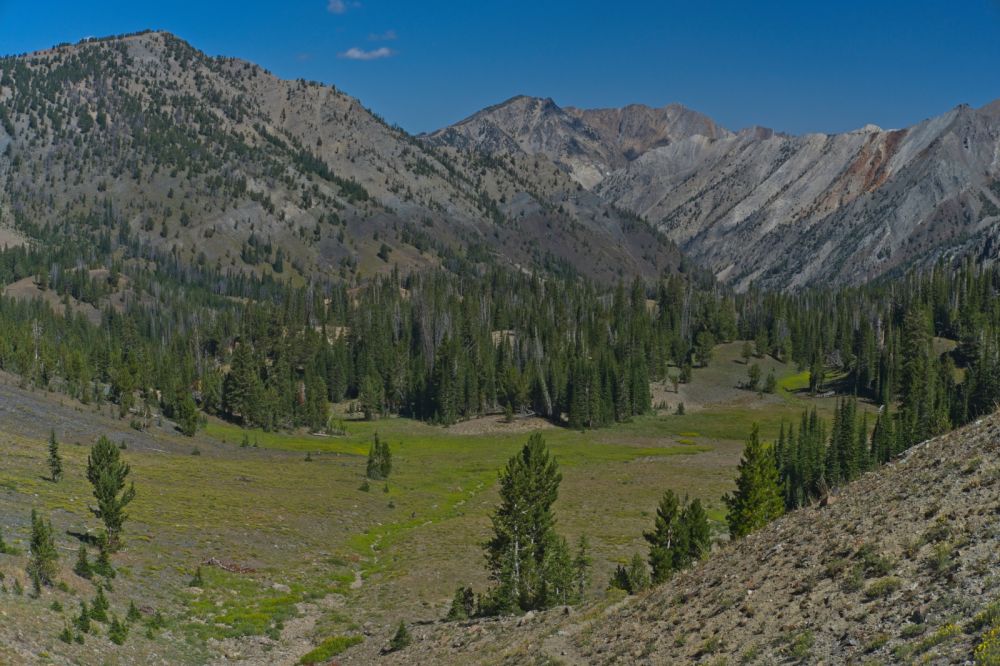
758	206
902	566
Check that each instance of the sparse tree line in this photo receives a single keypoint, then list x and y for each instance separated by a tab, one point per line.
108	475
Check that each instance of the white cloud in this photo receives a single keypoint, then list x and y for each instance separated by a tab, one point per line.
354	53
338	6
387	36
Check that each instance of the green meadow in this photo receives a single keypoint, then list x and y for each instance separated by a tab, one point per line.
289	511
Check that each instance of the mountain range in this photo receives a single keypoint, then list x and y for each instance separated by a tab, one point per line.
215	161
766	208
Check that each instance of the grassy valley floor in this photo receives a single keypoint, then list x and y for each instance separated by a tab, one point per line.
314	560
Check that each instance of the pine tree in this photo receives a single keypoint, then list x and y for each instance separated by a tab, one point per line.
242	389
401	638
680	536
379	463
99	606
558	579
117	631
372	397
758	497
107	472
703	345
664	537
82	621
524	529
43	558
634	578
463	605
883	437
55	460
699	534
83	568
770	383
102	565
187	414
133	615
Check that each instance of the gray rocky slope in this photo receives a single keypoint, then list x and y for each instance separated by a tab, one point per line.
757	206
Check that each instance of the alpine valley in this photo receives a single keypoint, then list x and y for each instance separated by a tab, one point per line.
281	383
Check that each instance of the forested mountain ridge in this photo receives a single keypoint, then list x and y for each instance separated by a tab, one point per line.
761	207
218	163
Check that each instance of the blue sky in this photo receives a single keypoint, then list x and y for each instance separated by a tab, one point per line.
796	66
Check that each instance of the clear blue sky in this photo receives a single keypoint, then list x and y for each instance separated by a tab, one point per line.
796	66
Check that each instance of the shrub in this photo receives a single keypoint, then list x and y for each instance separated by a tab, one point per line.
329	648
940	562
988	617
873	562
836	566
854	580
988	651
876	642
800	644
883	587
939	531
938	637
5	548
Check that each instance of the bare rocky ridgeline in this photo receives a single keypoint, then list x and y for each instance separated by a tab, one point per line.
894	570
766	208
209	159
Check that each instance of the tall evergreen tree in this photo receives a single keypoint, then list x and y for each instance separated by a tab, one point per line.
665	537
757	499
379	460
680	536
107	473
187	413
55	460
43	556
520	553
